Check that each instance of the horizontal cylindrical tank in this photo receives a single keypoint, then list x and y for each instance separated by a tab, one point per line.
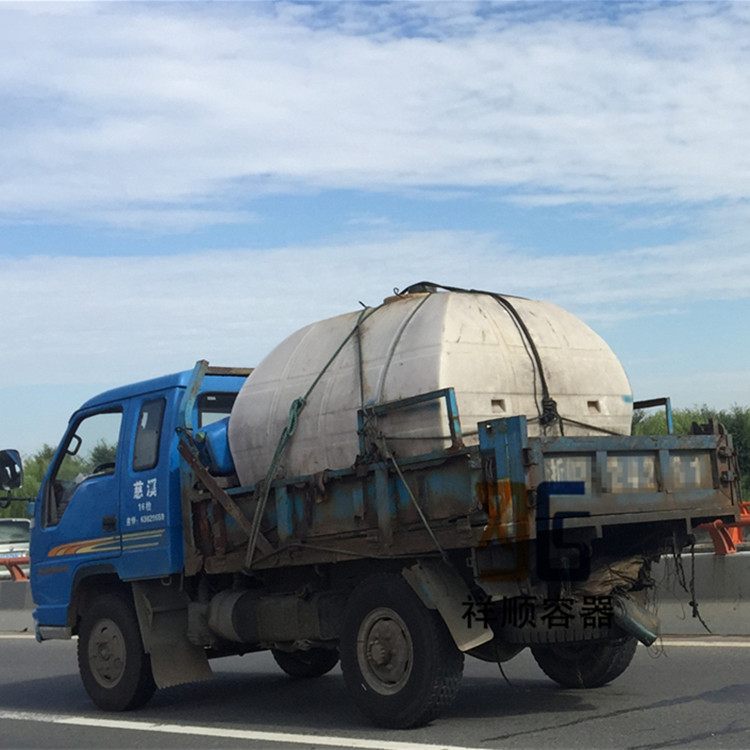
496	353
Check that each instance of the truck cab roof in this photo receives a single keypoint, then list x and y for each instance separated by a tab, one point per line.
218	379
116	395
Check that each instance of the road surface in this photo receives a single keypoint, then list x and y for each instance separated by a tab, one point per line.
691	693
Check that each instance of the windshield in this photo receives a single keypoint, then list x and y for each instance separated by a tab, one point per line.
14	532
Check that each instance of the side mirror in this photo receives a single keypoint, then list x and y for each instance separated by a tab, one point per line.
11	470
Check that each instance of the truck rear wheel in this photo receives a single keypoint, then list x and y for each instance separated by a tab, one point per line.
399	661
585	665
115	669
312	663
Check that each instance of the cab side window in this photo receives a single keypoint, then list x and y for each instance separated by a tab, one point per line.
90	452
147	435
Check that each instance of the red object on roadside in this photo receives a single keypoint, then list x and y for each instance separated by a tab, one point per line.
726	536
14	566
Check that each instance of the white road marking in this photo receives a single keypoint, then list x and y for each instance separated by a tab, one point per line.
232	734
707	642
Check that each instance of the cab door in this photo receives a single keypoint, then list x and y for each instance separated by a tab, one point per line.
77	523
149	508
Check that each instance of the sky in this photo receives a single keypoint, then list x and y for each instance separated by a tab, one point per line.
189	180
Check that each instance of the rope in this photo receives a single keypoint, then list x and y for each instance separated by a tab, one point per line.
548	412
393	346
549	405
334	550
586	426
286	437
387	453
681	579
693	601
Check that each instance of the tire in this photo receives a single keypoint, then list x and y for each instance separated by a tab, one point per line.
115	669
585	665
307	664
399	661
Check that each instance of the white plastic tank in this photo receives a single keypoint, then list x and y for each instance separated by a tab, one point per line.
414	344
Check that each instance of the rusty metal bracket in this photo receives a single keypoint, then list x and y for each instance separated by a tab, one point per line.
221	497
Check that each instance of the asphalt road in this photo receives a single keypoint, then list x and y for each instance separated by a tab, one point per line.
691	694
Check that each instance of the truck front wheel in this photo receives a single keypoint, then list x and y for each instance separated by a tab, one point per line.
399	661
115	669
585	665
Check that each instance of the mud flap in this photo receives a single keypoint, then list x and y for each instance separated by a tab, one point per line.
440	587
163	619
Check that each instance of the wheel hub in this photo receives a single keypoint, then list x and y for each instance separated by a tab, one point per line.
379	653
385	651
107	653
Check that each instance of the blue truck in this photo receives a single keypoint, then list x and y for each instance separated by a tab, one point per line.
147	547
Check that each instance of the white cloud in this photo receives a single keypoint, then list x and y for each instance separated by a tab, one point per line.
127	318
167	116
108	107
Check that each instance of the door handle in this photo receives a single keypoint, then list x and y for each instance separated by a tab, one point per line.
109	523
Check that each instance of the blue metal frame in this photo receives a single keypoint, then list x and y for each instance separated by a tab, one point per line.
665	402
457	484
388	407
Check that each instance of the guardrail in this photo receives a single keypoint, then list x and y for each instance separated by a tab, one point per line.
13	564
726	536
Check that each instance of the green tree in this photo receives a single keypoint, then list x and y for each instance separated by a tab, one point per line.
34	468
102	453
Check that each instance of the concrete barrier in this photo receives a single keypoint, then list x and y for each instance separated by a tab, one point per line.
722	591
16	606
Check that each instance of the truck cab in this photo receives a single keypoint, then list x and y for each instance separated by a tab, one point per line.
110	506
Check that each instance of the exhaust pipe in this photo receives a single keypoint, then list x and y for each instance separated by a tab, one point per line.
635	620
